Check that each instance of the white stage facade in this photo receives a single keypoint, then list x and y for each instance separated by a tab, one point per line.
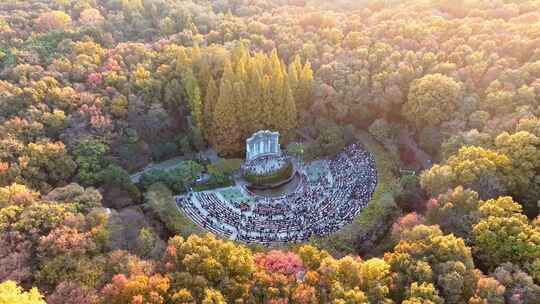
262	143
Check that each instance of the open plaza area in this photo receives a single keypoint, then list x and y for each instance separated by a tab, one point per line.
329	194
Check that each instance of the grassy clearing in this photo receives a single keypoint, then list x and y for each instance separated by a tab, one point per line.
234	195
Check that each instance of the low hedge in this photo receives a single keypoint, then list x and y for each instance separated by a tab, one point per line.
270	179
228	182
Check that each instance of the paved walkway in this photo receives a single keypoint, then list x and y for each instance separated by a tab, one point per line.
421	157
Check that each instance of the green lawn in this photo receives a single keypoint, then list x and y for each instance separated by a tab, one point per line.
233	194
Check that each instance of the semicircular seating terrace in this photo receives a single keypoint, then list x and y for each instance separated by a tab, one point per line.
330	194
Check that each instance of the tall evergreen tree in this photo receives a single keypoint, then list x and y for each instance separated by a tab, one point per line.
240	93
204	74
182	60
228	134
266	101
301	82
303	94
193	95
254	104
287	111
210	100
293	71
279	94
259	95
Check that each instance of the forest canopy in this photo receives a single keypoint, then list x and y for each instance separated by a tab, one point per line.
446	94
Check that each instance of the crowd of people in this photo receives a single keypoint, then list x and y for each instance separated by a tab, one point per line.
316	208
266	164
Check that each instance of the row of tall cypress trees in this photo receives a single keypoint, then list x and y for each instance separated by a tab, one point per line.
254	92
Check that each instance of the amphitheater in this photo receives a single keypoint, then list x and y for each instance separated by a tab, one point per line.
330	194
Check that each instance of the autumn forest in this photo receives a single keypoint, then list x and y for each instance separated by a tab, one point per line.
444	93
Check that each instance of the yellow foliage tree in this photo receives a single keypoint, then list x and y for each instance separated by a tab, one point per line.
10	293
432	100
522	148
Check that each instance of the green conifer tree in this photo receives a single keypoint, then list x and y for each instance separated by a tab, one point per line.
204	74
301	83
287	111
182	60
227	132
193	94
295	68
210	100
254	86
